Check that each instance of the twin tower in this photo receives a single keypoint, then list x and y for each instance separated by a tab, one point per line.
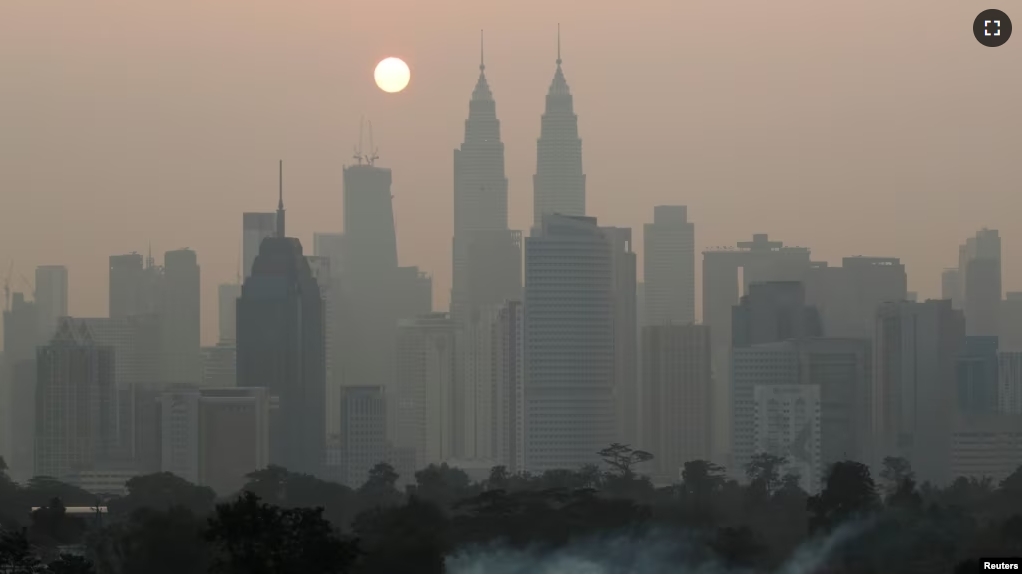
480	183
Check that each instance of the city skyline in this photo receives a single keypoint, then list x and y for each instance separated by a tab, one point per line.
148	155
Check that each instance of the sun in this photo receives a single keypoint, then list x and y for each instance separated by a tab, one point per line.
392	75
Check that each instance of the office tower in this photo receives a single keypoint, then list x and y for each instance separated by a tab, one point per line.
17	386
281	348
569	344
473	388
255	227
559	186
979	268
1009	382
480	185
215	437
912	296
1011	322
670	267
50	299
976	375
74	400
135	285
422	397
986	447
219	365
758	260
787	422
773	311
509	387
227	311
180	318
848	295
915	349
951	287
413	292
626	362
363	432
330	245
842	370
678	390
368	280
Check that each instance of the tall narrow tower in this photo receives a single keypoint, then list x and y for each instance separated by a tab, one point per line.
559	185
480	186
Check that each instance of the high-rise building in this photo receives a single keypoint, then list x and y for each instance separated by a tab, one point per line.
848	296
74	402
17	386
368	280
281	348
50	299
773	311
669	267
227	311
976	375
134	285
180	318
915	349
1009	382
626	361
677	396
1011	322
979	269
363	432
727	274
219	365
214	437
569	344
330	245
480	185
422	398
951	287
255	227
840	369
559	186
508	386
787	422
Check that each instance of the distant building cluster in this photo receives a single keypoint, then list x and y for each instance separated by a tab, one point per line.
551	350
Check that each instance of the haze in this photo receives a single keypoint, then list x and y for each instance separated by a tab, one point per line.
873	128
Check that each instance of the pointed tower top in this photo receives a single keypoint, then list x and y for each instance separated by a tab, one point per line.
482	89
280	202
558	43
482	60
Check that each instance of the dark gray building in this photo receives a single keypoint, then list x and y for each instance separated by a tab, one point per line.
281	347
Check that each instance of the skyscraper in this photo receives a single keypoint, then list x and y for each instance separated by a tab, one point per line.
255	227
50	299
626	369
559	186
74	402
669	267
180	317
134	285
979	270
370	268
915	349
227	311
508	386
480	185
281	348
569	344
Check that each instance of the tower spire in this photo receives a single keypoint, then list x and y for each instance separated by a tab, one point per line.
280	202
482	60
558	43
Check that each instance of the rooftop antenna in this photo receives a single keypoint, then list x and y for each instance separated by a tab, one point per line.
280	202
358	147
558	43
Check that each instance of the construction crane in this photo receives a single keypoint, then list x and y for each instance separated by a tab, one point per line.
7	287
368	156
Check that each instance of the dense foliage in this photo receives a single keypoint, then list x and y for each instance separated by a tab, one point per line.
594	519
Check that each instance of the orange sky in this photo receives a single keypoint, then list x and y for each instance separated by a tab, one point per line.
871	127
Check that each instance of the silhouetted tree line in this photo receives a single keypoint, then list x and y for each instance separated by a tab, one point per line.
285	522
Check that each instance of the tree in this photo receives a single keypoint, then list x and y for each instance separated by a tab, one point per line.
622	458
896	470
849	493
17	555
152	541
499	478
412	538
442	484
380	488
701	478
162	491
254	537
68	563
764	473
52	526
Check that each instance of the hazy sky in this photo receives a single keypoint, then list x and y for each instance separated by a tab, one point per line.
863	127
